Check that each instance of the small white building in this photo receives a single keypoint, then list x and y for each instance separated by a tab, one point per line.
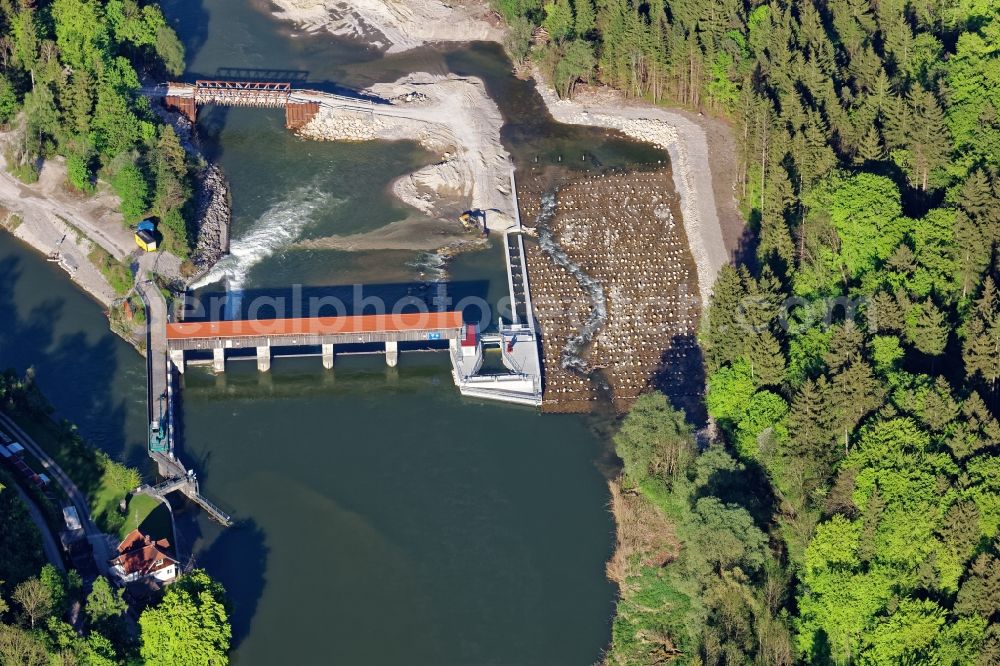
140	558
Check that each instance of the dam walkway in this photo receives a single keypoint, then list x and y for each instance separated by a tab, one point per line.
160	410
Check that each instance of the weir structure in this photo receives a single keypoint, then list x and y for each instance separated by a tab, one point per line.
518	341
323	333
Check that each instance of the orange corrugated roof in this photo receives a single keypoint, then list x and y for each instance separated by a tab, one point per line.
406	321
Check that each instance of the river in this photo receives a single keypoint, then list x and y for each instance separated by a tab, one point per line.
382	519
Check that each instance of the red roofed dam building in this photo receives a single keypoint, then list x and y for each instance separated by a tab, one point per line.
325	332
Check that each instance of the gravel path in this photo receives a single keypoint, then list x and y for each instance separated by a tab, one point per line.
51	218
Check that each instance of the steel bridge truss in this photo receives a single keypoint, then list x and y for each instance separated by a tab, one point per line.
185	98
242	93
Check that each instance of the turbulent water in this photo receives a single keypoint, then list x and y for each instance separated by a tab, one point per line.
430	266
278	227
571	354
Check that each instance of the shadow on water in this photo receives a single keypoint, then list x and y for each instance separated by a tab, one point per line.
297	77
211	123
48	328
529	132
243	576
470	296
189	19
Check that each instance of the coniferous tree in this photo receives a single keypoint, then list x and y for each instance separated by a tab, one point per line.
883	312
558	19
854	393
767	362
584	20
926	328
812	431
724	335
981	348
973	248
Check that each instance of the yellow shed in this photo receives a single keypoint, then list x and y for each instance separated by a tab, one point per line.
146	240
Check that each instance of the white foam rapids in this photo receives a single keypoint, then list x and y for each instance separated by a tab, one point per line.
278	227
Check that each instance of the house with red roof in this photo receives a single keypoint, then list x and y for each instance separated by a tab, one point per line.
140	558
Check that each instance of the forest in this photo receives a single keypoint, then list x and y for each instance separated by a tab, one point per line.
75	69
188	626
847	508
53	618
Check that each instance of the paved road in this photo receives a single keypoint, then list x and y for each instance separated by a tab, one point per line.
102	552
52	552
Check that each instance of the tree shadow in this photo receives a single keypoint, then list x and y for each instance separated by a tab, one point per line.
749	487
745	253
681	377
244	577
190	19
211	123
56	330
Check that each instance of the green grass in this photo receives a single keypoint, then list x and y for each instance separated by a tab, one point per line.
83	464
12	222
657	619
26	173
115	272
652	607
150	516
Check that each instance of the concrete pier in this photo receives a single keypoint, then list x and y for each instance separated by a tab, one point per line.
391	353
219	359
327	356
264	358
177	358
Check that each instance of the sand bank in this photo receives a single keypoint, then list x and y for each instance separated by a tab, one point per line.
395	25
450	116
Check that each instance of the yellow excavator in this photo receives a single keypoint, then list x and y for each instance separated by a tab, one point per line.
471	219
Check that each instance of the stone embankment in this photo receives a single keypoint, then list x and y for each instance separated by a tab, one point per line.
213	204
214	213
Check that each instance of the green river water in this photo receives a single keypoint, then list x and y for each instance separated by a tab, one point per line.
382	519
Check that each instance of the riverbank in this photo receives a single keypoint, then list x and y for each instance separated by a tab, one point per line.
691	162
75	229
213	202
50	218
394	26
454	118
